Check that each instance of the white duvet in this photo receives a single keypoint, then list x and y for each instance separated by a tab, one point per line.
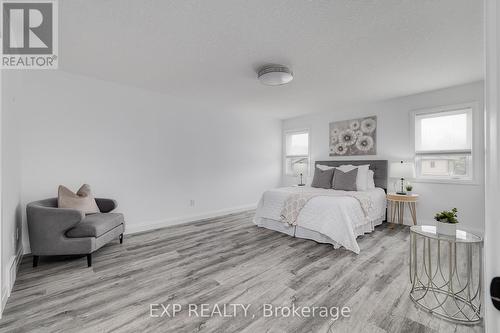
340	218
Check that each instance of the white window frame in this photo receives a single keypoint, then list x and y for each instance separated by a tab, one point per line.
475	141
308	156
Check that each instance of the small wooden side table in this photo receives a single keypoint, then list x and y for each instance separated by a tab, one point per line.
397	206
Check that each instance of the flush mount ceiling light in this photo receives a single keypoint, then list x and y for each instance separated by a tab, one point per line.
275	75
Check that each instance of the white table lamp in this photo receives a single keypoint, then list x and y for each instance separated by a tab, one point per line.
299	169
402	170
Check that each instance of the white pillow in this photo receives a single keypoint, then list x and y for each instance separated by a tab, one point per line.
362	178
370	185
82	200
324	167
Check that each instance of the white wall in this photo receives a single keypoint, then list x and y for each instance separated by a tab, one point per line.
492	177
11	194
394	143
150	152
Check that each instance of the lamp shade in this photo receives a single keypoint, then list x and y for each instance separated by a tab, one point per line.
402	170
299	168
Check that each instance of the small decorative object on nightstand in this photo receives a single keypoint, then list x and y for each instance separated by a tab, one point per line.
397	206
409	188
402	170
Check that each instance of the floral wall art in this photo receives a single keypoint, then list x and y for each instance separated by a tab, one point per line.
354	137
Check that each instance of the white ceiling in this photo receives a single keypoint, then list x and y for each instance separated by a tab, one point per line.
341	51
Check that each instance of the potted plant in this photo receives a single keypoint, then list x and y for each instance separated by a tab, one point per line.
409	188
447	222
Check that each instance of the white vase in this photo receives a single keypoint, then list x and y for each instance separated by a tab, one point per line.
448	229
408	192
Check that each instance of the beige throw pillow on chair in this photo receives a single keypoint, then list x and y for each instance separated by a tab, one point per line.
82	200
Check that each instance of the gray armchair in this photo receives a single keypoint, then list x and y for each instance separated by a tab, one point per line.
62	231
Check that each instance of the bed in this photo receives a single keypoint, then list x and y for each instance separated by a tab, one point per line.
329	216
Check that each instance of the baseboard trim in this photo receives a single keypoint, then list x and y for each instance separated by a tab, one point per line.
133	229
5	297
13	267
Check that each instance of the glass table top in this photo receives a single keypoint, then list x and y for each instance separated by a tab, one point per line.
460	237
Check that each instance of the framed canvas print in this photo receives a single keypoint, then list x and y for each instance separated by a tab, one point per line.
354	137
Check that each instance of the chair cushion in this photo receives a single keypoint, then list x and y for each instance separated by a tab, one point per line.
96	225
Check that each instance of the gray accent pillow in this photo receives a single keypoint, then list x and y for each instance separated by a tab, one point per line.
322	178
345	181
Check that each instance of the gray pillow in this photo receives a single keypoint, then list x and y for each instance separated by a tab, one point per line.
322	178
345	180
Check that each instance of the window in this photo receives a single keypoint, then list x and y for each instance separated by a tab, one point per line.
443	144
297	153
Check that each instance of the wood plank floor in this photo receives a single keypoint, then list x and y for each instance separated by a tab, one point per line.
216	261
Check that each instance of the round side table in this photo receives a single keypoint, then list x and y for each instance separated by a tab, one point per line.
446	273
397	206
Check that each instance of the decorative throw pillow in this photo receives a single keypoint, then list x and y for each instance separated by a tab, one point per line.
371	182
345	180
322	178
82	200
324	167
362	178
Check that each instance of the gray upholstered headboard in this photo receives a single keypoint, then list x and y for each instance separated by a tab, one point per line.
379	168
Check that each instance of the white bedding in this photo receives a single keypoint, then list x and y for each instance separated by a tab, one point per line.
339	218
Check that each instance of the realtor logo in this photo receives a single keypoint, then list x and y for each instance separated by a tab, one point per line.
29	34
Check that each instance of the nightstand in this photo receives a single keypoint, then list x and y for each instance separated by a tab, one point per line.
397	206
